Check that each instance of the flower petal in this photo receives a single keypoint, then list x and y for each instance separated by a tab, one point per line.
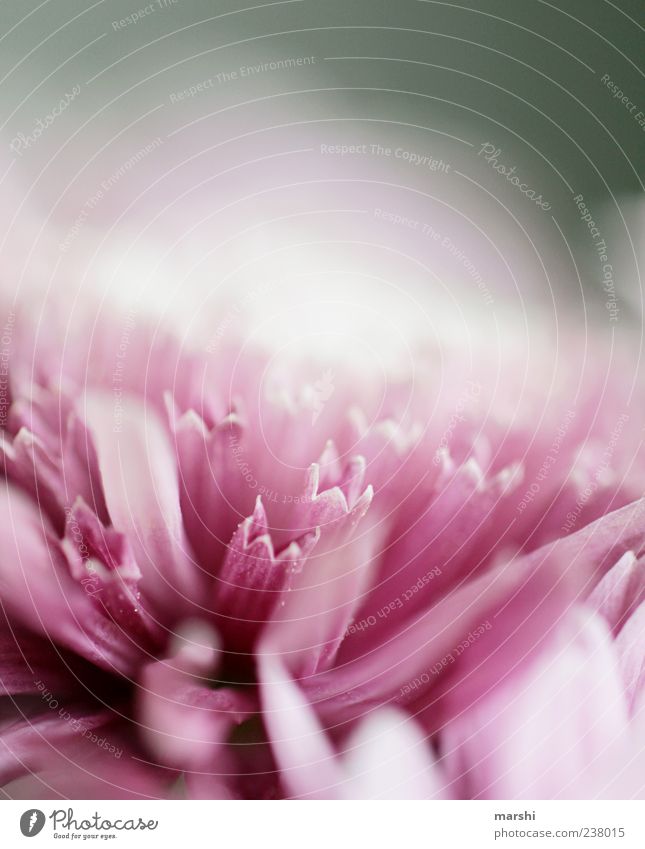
556	731
95	763
388	757
311	622
139	475
307	762
29	744
184	722
620	591
253	578
37	589
630	647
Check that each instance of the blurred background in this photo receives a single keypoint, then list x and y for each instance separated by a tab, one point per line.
419	167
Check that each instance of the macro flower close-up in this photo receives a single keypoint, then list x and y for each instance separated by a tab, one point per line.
222	579
322	421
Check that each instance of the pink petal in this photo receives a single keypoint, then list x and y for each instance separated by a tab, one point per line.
598	546
556	731
311	622
30	744
51	454
139	476
214	498
519	598
388	757
184	722
630	648
84	769
254	579
307	762
37	589
27	463
434	549
334	502
26	660
620	591
101	561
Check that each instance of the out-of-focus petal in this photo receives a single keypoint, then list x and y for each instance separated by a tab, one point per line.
388	757
183	720
139	475
630	648
27	660
96	766
307	761
509	609
48	451
29	744
555	731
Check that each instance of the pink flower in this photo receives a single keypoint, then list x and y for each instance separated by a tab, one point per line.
221	578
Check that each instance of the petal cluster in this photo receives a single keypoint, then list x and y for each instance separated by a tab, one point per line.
217	585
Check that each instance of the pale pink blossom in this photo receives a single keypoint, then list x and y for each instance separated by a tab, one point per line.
216	584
